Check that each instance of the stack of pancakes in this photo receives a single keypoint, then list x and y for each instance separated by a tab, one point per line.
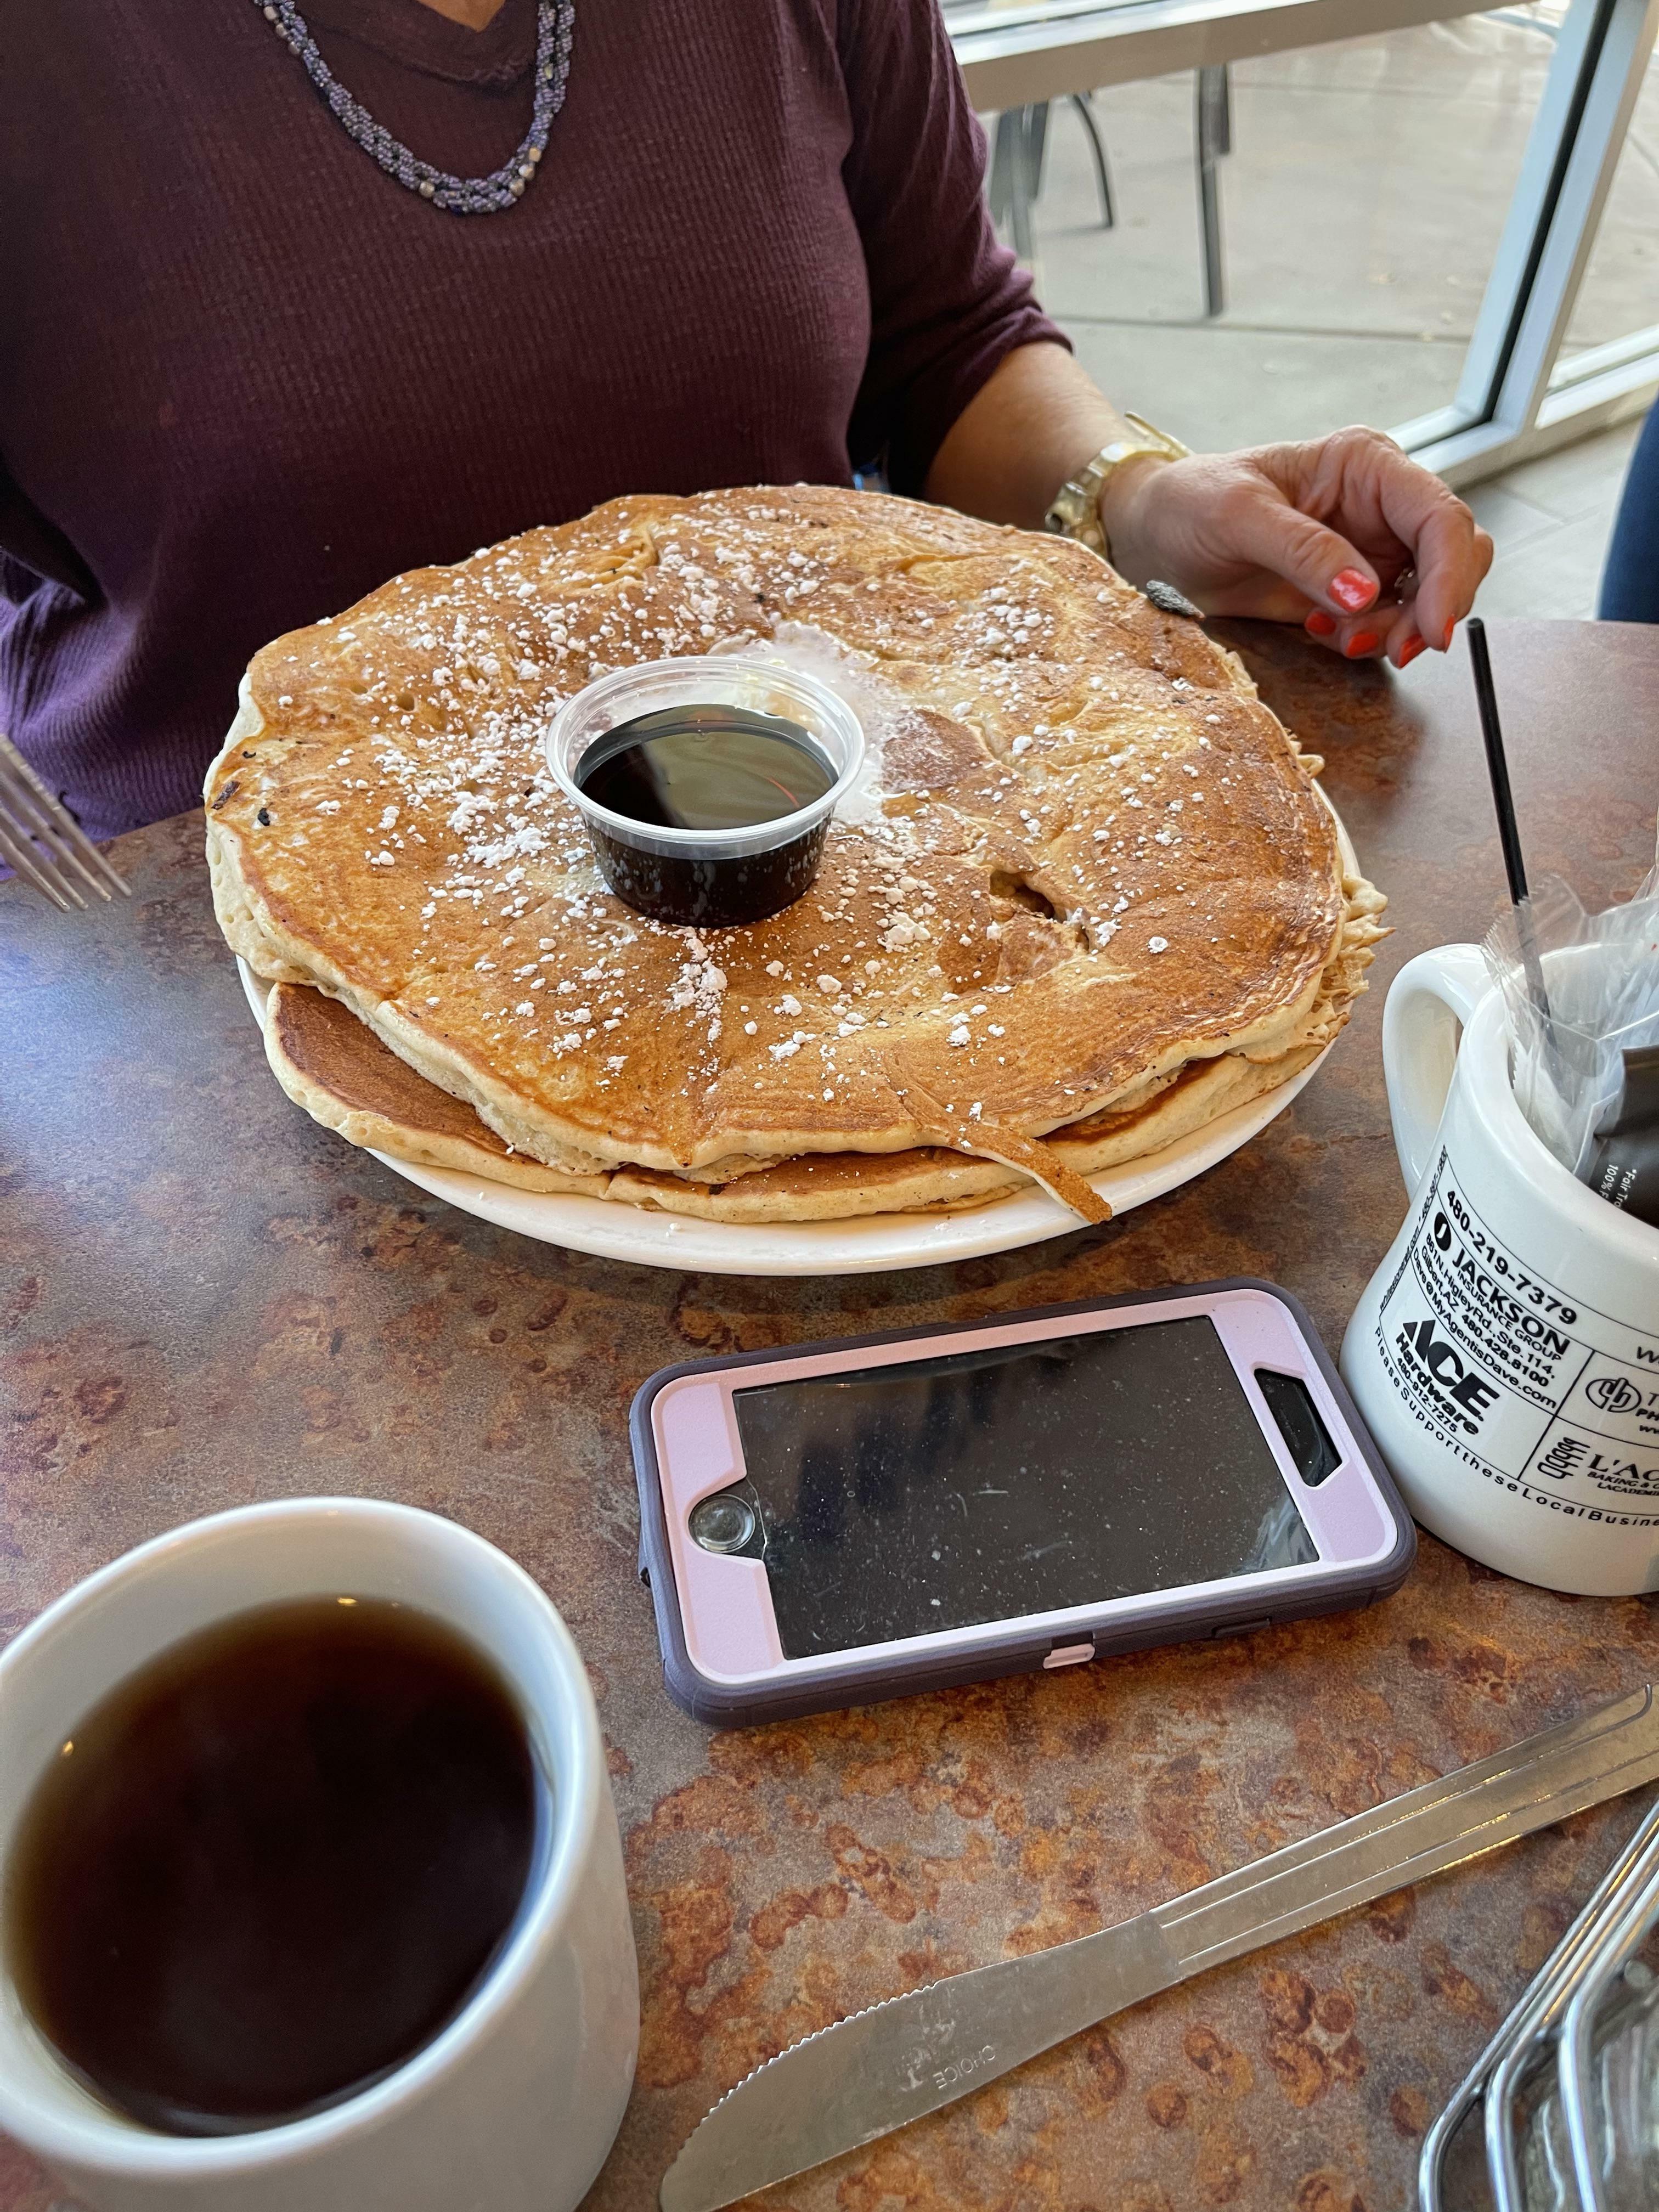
1084	898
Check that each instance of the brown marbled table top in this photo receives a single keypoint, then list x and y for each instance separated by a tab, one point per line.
205	1299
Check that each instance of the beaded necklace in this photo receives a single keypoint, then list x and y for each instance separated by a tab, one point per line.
555	23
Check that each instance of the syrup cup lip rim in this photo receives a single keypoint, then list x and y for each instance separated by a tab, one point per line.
109	2143
737	671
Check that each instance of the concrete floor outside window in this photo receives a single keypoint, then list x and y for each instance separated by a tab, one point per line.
1361	208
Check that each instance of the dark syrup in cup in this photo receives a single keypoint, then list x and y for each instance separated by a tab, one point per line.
706	767
706	785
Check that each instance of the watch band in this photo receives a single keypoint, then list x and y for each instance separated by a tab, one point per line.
1075	512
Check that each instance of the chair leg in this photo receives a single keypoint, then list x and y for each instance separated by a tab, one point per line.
1019	192
999	184
1085	106
1025	174
1018	156
1214	135
1037	148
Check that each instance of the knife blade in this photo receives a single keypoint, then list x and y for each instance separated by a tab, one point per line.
882	2067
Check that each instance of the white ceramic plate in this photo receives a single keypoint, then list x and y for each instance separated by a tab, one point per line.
874	1245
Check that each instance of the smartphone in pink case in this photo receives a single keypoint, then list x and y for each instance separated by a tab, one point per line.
844	1523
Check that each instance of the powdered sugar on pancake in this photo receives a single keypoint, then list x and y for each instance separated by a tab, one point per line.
852	677
389	830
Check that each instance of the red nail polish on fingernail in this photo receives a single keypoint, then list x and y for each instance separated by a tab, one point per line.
1320	623
1409	651
1351	590
1450	628
1363	641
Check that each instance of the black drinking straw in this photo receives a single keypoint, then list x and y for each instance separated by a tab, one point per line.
1498	767
1509	835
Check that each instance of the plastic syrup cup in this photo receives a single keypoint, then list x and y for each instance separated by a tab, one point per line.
709	879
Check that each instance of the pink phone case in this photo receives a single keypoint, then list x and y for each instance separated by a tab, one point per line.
722	1657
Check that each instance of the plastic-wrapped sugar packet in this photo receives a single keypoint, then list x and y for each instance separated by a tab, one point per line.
1582	991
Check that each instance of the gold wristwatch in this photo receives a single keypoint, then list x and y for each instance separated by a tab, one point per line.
1075	512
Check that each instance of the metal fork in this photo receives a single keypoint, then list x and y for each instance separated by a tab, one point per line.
1584	1960
46	847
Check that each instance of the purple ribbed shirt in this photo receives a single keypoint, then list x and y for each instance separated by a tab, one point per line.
245	377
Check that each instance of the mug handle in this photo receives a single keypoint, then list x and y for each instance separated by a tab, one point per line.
1428	1002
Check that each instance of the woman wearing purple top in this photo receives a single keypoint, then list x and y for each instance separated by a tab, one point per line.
295	299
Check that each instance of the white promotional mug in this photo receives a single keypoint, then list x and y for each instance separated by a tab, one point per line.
1505	1355
514	2106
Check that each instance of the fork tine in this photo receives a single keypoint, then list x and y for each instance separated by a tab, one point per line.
17	855
80	846
28	819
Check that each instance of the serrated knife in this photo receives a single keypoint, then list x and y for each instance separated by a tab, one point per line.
867	2075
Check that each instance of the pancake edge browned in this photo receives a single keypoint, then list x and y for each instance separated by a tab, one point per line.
842	1186
278	957
329	1095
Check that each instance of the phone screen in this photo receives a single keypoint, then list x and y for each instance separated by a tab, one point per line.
898	1501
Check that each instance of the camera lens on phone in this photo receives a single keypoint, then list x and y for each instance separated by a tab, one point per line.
722	1524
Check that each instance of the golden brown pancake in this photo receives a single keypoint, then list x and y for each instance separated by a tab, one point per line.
1085	856
346	1079
338	1070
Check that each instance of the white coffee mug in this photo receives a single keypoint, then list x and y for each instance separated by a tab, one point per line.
1505	1354
514	2106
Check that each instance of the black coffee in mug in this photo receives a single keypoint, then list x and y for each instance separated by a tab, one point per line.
273	1863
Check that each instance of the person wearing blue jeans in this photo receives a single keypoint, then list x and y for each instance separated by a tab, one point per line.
1630	582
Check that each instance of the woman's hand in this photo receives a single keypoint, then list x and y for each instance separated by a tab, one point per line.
1368	552
1344	534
